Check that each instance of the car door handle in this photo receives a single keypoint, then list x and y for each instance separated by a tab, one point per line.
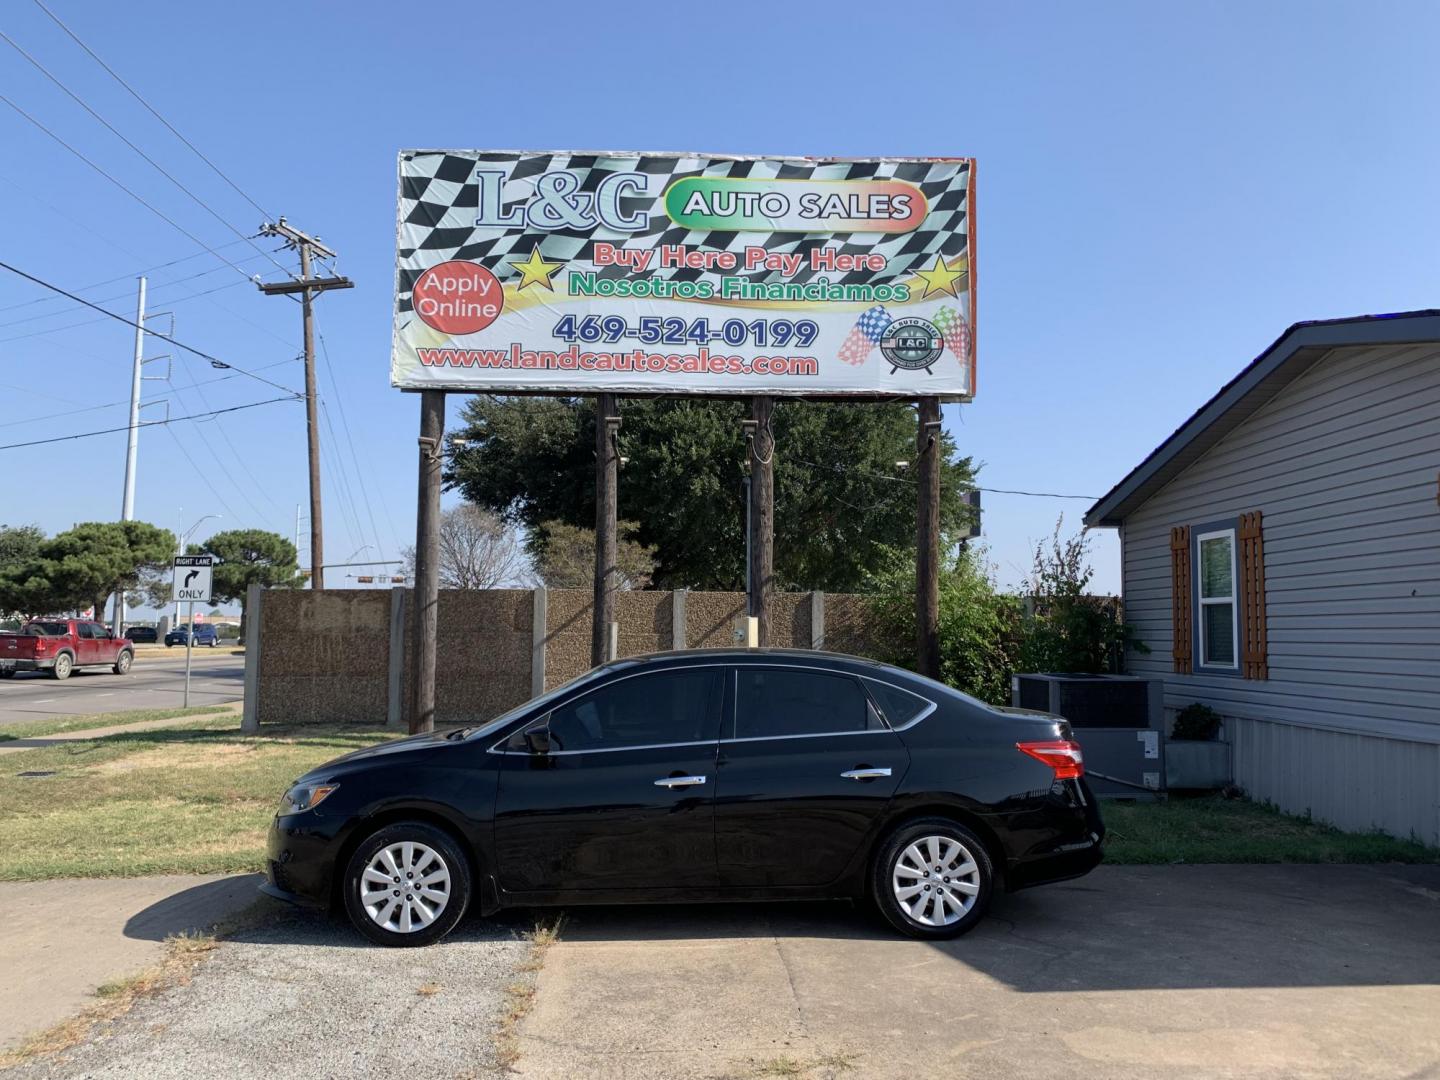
673	782
865	774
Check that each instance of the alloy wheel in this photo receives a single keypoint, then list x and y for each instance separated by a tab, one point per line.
405	887
935	880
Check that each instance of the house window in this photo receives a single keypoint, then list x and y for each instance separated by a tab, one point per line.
1215	590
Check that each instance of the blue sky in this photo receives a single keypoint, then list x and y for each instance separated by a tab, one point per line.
1162	189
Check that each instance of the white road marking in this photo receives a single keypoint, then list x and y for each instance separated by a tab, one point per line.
42	701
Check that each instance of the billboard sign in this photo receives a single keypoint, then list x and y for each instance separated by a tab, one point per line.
576	272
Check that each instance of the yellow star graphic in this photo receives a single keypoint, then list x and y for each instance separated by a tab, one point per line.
536	271
939	278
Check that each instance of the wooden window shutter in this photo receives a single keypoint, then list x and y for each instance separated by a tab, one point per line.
1254	658
1180	598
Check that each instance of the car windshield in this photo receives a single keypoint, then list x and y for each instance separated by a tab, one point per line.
47	629
538	702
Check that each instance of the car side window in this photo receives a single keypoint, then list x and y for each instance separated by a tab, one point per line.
90	630
899	706
776	702
644	710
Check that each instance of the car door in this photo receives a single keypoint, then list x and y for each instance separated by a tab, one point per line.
806	765
622	798
89	643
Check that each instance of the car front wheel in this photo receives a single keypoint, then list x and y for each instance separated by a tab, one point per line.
407	884
122	662
932	879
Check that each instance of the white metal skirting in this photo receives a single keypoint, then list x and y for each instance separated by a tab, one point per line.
1356	782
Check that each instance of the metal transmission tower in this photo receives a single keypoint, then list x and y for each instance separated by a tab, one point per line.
308	287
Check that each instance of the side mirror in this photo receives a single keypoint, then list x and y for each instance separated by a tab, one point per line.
538	741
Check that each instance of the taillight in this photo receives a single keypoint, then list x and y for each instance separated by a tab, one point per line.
39	645
1062	755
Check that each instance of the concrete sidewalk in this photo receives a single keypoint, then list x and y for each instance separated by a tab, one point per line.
1128	974
63	938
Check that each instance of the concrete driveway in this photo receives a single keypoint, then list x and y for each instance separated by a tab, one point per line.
1132	972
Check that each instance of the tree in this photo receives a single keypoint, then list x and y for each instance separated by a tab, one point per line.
82	566
19	544
1066	628
245	557
980	627
477	551
840	501
566	557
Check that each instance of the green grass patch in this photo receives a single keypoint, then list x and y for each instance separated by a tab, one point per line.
1212	829
34	729
191	799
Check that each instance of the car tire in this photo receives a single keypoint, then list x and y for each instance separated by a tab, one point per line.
123	662
64	665
383	920
7	674
922	901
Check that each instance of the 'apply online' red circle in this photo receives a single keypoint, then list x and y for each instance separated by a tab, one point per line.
458	297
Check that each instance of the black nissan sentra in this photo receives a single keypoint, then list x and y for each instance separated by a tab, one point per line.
712	775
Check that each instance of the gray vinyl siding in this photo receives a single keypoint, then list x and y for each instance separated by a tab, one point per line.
1344	465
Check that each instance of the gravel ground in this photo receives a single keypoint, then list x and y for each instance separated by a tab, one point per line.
300	995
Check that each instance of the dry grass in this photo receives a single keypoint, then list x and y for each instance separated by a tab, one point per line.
195	798
520	995
182	953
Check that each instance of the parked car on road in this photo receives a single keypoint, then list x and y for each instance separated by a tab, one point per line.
137	634
205	634
59	646
712	775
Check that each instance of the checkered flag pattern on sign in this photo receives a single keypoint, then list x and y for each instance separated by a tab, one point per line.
866	334
438	199
956	332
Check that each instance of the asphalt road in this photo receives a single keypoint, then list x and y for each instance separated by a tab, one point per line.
154	682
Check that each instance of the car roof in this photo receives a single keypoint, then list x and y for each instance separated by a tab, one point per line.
780	657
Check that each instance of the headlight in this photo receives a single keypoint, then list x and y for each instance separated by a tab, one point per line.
304	797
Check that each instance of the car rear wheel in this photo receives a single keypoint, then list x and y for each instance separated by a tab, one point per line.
123	661
63	666
407	884
932	878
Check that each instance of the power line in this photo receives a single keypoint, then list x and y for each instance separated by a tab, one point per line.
214	361
158	213
143	423
968	487
122	296
136	95
126	277
92	322
350	442
114	404
119	135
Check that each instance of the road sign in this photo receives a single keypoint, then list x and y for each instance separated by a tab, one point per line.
193	578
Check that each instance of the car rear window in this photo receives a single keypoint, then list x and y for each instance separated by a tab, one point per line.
47	629
899	706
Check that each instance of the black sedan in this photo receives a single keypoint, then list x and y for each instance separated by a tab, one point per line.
714	775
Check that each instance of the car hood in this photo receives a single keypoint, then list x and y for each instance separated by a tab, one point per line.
414	744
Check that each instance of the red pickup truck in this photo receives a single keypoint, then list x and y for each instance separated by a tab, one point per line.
59	646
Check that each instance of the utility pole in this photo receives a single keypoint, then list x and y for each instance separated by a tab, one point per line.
927	547
132	444
308	287
761	513
603	646
427	560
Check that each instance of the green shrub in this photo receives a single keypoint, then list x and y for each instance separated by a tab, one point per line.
979	626
1196	722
